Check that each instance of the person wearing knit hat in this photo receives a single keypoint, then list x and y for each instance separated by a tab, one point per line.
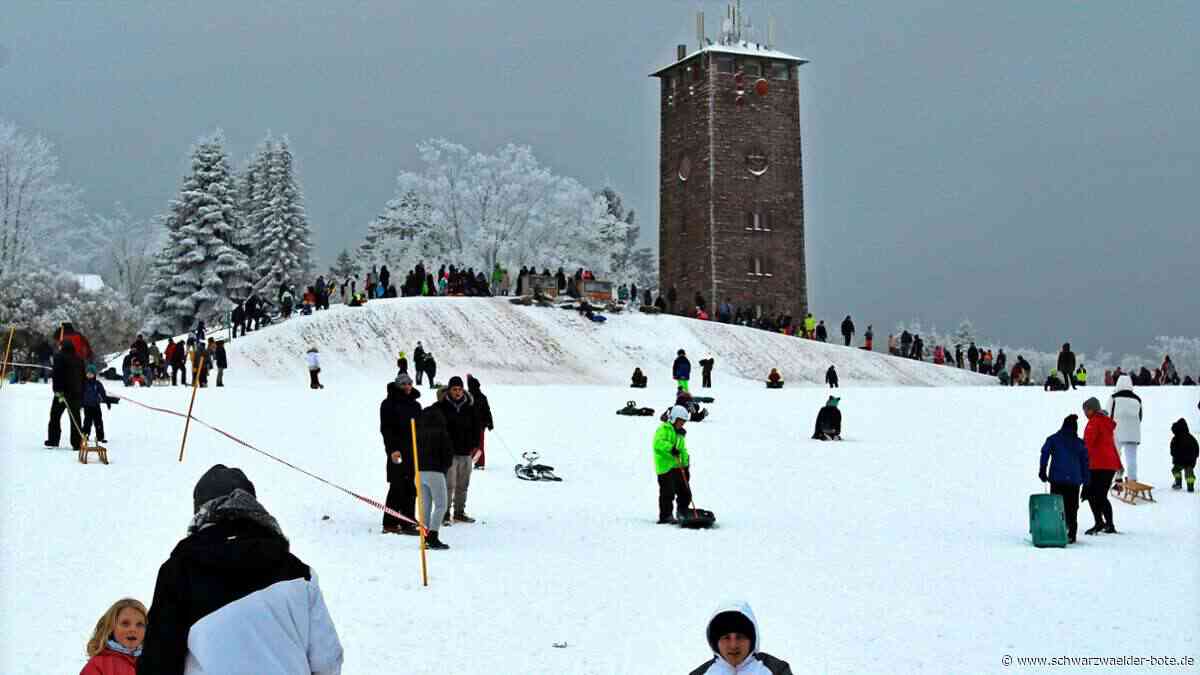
462	423
829	422
1064	465
1103	464
93	396
231	595
735	640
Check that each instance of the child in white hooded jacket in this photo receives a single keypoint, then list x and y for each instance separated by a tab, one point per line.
1125	408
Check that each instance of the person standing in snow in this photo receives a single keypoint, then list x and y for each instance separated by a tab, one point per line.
1125	408
1064	465
973	357
462	422
733	637
681	370
430	367
829	421
222	361
869	339
232	598
313	359
66	380
419	361
1066	363
486	422
435	450
1103	463
822	333
402	363
396	414
93	396
1184	451
671	463
706	367
847	330
831	377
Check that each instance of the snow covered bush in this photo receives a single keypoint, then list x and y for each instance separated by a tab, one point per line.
39	300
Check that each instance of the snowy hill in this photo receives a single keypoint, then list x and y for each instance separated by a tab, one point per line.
512	344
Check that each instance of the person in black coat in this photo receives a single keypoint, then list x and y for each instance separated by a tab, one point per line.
419	362
436	453
1066	363
238	317
484	412
67	377
396	414
706	367
45	355
831	377
221	360
430	367
462	422
847	330
829	422
1184	452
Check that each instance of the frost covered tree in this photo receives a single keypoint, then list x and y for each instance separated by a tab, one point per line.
200	271
400	236
629	261
124	251
252	187
36	211
283	241
504	208
345	265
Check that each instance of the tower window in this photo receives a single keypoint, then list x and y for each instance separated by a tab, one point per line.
758	222
724	64
779	70
752	67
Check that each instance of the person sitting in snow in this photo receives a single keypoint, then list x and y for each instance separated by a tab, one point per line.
671	464
732	635
683	398
1054	382
639	380
1184	450
829	422
116	643
137	375
774	379
831	377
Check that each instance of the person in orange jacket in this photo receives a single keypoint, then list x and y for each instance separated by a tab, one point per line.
1104	462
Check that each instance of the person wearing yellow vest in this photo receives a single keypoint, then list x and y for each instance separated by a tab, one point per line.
671	463
810	326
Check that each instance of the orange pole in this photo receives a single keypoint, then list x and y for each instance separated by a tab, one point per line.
420	505
195	387
7	351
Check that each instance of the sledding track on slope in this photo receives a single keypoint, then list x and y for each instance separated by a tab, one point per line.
511	344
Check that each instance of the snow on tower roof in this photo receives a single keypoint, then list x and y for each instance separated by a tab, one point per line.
740	49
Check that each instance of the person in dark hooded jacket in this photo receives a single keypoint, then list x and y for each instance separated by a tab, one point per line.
66	379
232	598
829	421
436	453
1064	465
1184	450
483	411
831	377
396	414
734	638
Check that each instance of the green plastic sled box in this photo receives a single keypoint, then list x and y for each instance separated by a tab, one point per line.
1046	521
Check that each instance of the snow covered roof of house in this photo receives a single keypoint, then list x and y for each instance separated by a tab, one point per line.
740	49
90	282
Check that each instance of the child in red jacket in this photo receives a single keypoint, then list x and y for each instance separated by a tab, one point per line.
117	641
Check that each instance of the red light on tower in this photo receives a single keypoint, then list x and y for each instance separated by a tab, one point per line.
761	87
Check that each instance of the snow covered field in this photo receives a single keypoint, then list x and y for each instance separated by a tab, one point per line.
902	549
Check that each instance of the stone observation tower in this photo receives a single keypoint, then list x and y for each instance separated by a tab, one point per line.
731	200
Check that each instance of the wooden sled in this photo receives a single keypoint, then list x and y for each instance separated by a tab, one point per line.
85	448
1131	491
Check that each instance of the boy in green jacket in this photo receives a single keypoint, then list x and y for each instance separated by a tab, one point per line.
671	464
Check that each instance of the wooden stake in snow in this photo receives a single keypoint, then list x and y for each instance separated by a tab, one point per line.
420	504
195	387
7	351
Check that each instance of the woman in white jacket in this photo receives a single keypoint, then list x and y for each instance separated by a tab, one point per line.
314	369
1125	407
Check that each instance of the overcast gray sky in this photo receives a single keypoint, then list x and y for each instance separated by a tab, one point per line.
1031	165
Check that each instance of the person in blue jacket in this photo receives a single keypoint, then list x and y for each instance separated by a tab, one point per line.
1068	469
681	371
93	396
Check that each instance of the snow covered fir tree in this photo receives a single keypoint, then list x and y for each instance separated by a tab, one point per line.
199	271
276	224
